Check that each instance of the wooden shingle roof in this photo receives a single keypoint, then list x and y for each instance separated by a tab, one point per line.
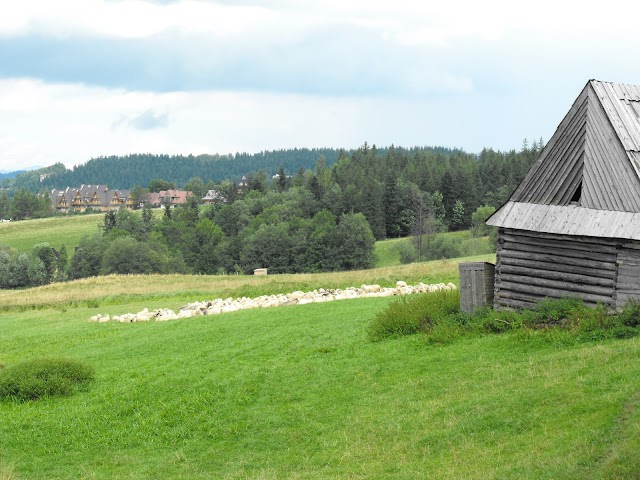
591	164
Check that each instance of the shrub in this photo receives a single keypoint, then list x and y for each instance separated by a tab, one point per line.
407	251
43	377
564	320
440	247
630	315
412	314
555	312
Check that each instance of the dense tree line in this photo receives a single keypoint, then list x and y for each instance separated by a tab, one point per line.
286	232
43	265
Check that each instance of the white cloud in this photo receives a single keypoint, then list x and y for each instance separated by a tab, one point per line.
127	18
73	123
262	74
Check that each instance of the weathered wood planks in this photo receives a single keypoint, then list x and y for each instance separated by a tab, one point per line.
532	266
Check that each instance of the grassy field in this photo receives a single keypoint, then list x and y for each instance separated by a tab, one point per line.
299	392
57	231
387	251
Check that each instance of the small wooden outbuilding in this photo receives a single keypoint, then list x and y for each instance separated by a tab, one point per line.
572	227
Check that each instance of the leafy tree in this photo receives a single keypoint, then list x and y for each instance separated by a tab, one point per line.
159	185
167	212
47	256
457	215
5	260
87	259
354	242
5	205
19	271
481	229
27	205
269	247
110	221
439	211
147	219
316	253
408	253
257	181
37	272
197	187
199	246
61	263
127	255
131	223
140	195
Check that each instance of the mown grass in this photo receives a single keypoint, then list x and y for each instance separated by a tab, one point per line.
172	290
301	392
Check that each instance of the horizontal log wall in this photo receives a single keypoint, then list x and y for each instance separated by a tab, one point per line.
532	266
628	281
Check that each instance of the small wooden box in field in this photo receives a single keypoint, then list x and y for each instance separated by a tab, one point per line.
476	285
260	271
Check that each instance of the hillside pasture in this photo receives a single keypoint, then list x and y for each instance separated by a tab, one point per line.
61	230
300	392
57	231
387	252
170	290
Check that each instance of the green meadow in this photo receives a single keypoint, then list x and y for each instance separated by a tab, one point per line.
57	231
301	392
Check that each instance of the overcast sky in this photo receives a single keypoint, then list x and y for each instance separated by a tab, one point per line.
85	78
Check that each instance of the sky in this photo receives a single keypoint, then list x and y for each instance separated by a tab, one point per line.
86	78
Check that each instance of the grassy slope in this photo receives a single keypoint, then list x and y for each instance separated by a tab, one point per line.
387	253
57	231
298	392
172	290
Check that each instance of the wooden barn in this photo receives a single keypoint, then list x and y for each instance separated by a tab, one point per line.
572	227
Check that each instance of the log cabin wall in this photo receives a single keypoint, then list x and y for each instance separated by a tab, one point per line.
628	279
531	266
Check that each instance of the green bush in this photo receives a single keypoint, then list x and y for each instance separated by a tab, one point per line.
439	317
407	251
43	377
412	314
440	246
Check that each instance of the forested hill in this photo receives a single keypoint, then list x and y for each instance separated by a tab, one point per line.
139	169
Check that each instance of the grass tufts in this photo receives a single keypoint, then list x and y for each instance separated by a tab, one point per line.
439	316
413	314
43	377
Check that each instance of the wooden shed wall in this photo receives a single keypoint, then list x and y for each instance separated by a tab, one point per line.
628	279
531	266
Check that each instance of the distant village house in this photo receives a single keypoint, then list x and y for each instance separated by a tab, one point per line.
95	197
212	197
169	197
